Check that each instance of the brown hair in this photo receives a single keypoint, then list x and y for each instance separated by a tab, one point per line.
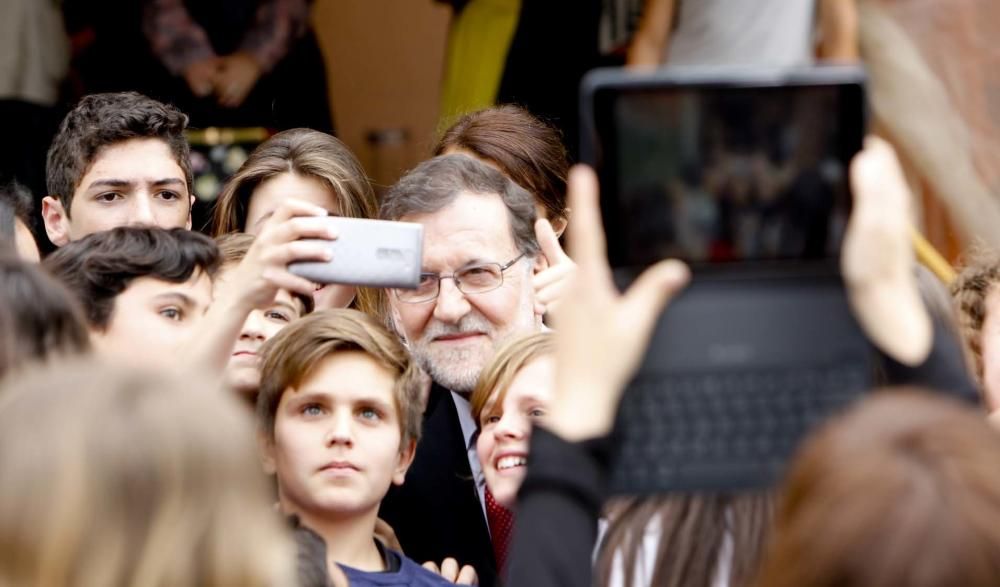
309	153
902	489
507	361
974	284
233	248
436	183
103	120
101	265
693	529
526	149
39	318
291	355
115	477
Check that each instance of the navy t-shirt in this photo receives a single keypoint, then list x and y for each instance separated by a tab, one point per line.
403	572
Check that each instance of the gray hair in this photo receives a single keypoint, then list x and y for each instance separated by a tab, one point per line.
436	183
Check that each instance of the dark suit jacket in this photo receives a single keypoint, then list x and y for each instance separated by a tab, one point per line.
437	513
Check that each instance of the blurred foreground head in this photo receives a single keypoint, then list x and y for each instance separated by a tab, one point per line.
119	478
903	489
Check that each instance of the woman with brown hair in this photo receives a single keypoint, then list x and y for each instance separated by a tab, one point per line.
120	478
530	152
307	165
524	148
901	490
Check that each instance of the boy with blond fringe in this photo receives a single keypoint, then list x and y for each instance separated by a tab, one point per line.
339	414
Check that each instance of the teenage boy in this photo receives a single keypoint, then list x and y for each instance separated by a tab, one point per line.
118	159
339	412
143	290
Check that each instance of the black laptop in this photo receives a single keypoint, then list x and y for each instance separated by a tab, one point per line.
742	174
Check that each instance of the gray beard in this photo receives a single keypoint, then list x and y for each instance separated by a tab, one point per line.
461	383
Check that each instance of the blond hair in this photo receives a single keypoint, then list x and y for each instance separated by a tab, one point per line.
293	353
309	153
508	360
115	477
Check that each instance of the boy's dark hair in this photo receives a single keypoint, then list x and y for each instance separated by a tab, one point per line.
15	204
38	317
100	266
101	120
291	355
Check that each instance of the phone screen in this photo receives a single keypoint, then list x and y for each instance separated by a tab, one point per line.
713	174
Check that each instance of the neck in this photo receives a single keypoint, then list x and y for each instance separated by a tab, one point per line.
350	539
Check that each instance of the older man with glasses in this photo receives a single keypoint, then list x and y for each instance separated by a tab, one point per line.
480	252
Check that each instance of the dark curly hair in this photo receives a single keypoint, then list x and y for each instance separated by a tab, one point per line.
100	266
100	120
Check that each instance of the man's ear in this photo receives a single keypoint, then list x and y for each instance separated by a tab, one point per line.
265	447
190	212
56	221
406	455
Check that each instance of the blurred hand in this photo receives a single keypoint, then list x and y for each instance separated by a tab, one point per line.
550	283
450	571
238	74
600	334
877	259
201	76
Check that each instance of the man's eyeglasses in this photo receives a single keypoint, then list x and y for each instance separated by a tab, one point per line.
474	279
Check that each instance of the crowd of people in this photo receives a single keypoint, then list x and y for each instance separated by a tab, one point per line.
183	409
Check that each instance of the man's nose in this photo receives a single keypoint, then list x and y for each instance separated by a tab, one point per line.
451	304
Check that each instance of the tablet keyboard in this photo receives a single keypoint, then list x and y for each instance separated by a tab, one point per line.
723	431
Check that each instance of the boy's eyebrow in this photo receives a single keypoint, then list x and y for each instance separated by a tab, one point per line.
121	183
291	306
183	299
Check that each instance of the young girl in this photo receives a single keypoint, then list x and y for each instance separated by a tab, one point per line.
307	165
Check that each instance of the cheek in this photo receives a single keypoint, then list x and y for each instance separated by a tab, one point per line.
484	448
334	297
411	318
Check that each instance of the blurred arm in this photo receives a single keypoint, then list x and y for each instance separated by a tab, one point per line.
277	25
838	30
650	40
176	40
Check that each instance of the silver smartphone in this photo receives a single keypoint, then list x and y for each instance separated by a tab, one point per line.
373	253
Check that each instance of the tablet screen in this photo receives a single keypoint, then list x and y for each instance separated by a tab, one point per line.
712	174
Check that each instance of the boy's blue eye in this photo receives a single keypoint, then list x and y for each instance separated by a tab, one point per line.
369	414
312	410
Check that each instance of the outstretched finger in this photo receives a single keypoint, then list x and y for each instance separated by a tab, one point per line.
649	293
292	207
549	243
585	240
299	227
282	279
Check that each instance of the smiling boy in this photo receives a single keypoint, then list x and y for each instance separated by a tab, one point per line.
339	412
